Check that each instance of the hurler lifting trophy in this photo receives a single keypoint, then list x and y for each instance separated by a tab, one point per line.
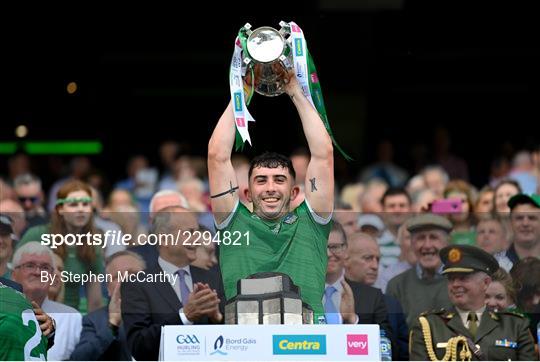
275	271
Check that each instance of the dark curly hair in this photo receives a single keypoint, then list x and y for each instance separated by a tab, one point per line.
272	160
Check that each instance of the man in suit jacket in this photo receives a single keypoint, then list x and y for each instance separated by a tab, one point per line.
362	266
346	301
174	292
103	337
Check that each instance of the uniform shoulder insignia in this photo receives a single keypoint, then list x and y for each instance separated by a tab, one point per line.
512	312
433	311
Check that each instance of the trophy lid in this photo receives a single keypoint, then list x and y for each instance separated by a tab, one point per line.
265	44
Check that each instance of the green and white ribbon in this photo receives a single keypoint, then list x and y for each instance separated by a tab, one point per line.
241	112
306	74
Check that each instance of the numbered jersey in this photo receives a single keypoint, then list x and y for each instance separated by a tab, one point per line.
20	335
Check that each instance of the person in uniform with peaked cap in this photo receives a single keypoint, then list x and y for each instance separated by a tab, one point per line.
467	331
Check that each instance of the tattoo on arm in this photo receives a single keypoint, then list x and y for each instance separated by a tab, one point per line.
230	191
313	187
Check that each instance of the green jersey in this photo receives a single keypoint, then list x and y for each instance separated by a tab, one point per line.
294	245
20	335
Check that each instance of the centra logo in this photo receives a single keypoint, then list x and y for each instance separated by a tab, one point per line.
299	344
187	339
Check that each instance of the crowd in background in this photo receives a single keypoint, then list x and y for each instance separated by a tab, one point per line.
373	213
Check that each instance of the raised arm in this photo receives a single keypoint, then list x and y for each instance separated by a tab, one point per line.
319	186
222	178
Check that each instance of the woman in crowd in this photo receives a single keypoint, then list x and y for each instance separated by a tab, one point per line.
483	207
501	293
463	231
73	215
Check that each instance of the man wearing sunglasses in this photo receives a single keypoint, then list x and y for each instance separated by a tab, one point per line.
30	195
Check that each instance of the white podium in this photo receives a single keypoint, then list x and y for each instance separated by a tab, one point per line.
323	342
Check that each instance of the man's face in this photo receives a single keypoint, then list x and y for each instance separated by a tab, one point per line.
28	273
206	256
490	236
164	201
29	195
362	262
336	253
122	264
396	209
348	219
435	182
467	291
184	223
427	244
271	191
526	224
6	247
77	213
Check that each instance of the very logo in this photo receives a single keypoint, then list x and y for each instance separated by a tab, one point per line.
357	344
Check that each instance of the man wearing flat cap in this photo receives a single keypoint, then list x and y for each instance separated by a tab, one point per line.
525	221
423	287
467	331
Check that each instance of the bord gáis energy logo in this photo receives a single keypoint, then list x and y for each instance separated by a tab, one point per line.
299	344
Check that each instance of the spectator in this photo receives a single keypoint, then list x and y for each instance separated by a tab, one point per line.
501	294
103	336
79	168
346	301
141	181
120	197
396	207
370	201
31	196
347	218
423	287
415	184
176	299
502	193
435	178
370	224
73	215
351	194
463	231
422	200
526	275
523	172
29	262
525	220
193	190
491	237
16	213
407	258
484	206
362	266
6	245
469	271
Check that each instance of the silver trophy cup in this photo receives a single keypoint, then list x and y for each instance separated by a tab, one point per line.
268	58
